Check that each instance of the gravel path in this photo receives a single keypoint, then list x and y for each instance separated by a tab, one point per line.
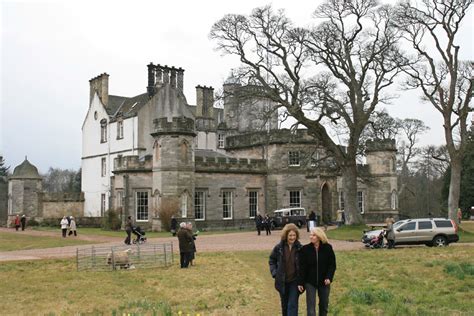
206	243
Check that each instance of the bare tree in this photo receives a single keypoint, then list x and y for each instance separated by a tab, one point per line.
355	54
444	80
411	129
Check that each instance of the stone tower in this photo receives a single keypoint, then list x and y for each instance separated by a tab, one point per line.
381	159
24	191
173	150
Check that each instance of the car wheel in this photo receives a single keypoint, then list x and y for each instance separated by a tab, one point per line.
440	241
299	224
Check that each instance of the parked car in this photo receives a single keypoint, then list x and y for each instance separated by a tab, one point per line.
428	231
295	215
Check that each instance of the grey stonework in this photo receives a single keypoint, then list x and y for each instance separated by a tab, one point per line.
3	200
178	159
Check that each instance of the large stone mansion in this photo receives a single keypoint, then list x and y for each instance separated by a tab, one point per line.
216	166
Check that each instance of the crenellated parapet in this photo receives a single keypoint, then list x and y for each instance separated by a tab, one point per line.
161	75
381	145
63	196
178	125
230	165
132	163
282	136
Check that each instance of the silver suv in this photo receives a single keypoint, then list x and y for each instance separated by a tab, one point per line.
428	231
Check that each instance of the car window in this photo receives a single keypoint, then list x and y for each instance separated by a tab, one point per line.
408	226
297	212
425	225
398	224
443	223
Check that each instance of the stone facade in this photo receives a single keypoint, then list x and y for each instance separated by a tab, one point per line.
218	167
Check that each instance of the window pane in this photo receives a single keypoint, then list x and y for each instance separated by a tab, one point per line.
142	206
425	225
253	203
360	201
295	199
443	224
227	204
409	226
199	205
294	158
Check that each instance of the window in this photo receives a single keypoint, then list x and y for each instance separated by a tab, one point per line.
443	224
341	200
393	202
425	225
103	131
119	198
253	203
184	205
294	158
199	205
141	205
119	129
295	198
360	202
102	204
103	170
227	204
315	159
409	226
220	141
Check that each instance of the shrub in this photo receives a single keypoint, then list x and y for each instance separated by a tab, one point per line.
32	222
111	220
168	208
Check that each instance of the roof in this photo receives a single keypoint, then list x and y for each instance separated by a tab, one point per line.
25	171
126	106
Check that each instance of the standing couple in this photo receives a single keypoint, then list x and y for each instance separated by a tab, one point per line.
297	268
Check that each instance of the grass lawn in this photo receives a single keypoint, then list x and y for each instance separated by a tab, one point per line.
412	281
17	241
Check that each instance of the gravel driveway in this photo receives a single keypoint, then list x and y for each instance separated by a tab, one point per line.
205	243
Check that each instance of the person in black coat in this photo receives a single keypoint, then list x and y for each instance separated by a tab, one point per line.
259	223
284	268
317	267
173	225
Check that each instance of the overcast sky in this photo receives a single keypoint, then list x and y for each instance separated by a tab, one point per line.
50	50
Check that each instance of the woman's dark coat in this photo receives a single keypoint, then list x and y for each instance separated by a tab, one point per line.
316	267
277	262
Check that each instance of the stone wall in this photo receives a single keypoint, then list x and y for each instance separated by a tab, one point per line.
3	200
57	205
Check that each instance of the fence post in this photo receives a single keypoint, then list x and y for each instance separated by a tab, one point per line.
154	253
77	259
172	253
164	252
93	257
113	258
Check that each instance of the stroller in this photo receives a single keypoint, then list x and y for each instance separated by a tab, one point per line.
377	242
140	235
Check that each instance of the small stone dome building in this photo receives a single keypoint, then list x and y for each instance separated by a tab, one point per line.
24	190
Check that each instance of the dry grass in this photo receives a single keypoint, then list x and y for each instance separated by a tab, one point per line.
422	281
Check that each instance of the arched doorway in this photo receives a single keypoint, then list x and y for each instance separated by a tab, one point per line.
326	204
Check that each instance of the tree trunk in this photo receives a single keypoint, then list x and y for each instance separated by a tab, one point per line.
352	214
454	187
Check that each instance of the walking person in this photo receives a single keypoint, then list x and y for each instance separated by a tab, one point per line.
23	222
72	227
267	224
173	225
317	268
259	223
284	268
128	230
390	233
64	226
16	222
311	218
192	255
459	215
185	239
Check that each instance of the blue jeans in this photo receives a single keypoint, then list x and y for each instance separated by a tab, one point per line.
289	299
323	294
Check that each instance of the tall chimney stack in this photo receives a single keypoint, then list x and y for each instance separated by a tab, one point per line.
180	79
100	85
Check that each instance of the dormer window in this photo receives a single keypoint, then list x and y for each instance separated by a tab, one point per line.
103	131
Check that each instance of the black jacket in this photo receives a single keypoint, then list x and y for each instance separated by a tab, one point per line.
316	267
276	262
